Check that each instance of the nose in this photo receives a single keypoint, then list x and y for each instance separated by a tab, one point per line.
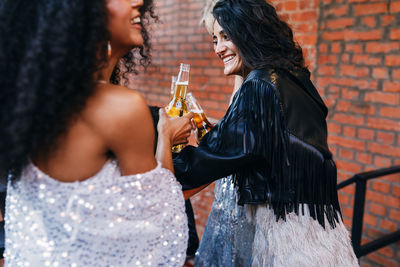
219	48
136	3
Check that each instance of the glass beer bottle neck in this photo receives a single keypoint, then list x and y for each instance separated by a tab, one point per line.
180	91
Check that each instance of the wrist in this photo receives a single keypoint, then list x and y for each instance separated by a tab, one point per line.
164	139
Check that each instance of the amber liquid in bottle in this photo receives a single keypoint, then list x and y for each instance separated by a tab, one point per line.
202	124
178	107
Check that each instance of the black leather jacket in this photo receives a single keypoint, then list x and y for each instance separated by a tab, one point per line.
273	139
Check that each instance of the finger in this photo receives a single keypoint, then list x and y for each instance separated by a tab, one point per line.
189	115
162	113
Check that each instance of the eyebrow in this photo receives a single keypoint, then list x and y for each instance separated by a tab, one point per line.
220	33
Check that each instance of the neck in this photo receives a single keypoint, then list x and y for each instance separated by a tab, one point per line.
106	72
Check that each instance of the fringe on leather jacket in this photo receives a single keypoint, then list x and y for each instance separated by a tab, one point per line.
273	140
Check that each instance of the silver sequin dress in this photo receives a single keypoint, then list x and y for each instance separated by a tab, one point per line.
106	220
249	235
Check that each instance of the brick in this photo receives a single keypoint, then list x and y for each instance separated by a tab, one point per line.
362	108
380	97
348	119
364	158
368	9
386	251
345	58
334	127
369	21
367	59
304	16
370	219
394	34
349	166
356	48
380	186
389	86
347	143
382	261
350	94
336	47
383	124
339	23
380	47
333	36
389	225
385	138
396	74
380	73
387	20
327	59
363	35
365	134
290	6
392	60
349	131
377	209
344	199
384	149
383	199
339	11
347	211
323	48
350	70
327	70
394	215
394	7
396	190
346	154
382	162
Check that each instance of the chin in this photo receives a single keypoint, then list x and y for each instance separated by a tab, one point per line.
228	71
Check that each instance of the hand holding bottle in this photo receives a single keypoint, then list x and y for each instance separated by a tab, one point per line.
176	130
200	119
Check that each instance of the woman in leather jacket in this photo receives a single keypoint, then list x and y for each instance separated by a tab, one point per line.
278	204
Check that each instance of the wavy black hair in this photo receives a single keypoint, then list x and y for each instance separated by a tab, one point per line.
49	52
262	38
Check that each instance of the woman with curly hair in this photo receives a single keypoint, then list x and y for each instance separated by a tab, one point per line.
278	205
84	186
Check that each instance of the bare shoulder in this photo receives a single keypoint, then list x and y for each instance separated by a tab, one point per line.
114	108
122	119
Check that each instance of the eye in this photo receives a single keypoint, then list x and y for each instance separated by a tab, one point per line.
215	42
226	38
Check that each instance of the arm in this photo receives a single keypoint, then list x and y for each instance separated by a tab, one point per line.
171	131
126	126
252	131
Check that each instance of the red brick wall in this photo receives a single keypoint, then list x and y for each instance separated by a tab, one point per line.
358	75
353	50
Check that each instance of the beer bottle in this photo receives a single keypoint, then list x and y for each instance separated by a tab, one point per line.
173	82
200	119
178	107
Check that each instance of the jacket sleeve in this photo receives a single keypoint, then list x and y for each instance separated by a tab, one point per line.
251	133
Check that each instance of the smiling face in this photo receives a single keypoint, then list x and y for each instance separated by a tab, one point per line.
124	23
227	51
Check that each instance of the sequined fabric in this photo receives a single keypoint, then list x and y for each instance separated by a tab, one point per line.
106	220
228	236
249	235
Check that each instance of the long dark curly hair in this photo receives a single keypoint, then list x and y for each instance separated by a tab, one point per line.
262	38
49	52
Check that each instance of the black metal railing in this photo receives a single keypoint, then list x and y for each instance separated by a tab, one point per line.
360	180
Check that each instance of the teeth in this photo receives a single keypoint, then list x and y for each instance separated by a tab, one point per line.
228	58
135	20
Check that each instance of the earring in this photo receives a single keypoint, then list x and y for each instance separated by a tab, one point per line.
109	49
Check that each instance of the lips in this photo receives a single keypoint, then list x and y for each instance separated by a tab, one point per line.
227	59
